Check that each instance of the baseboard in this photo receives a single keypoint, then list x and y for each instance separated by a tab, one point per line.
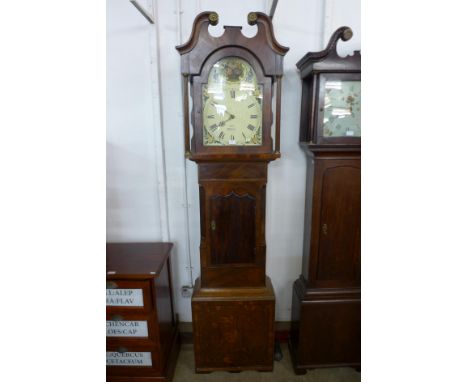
282	329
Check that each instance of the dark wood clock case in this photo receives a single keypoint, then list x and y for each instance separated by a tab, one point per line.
233	303
327	296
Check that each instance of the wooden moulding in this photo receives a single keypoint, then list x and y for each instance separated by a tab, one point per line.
328	59
193	52
234	293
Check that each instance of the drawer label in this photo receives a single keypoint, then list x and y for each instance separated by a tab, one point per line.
126	329
124	297
115	358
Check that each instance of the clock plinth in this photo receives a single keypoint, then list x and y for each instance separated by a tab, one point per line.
233	328
325	327
231	80
326	301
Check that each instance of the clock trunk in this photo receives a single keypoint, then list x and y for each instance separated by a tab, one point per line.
232	202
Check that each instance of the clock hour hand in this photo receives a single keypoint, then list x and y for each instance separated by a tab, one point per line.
232	116
222	123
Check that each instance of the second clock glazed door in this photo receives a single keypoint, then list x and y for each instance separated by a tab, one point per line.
338	258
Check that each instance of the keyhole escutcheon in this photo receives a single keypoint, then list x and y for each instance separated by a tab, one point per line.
324	228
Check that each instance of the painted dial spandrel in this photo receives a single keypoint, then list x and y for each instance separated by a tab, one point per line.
232	105
342	109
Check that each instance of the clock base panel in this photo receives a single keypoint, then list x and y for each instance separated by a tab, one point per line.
233	328
325	327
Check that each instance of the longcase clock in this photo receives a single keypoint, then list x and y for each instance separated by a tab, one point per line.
231	80
327	296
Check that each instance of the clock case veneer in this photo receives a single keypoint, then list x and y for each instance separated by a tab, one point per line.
326	321
233	328
232	190
144	266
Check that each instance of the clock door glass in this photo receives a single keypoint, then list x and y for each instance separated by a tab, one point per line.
232	105
342	109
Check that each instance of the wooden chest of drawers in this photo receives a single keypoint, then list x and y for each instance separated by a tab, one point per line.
141	328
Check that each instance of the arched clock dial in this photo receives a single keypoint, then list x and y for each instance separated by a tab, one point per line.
232	105
342	109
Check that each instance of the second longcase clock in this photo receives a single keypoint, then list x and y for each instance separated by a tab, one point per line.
231	80
326	303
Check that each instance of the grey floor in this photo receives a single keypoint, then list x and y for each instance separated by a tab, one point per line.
283	372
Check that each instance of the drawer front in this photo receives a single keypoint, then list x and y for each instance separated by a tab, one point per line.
136	359
128	326
128	295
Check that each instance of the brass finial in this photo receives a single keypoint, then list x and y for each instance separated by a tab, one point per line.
252	18
347	34
213	18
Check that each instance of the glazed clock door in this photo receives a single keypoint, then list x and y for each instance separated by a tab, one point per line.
339	115
339	238
232	105
232	229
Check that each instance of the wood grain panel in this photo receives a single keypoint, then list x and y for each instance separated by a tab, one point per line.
339	240
233	328
336	326
232	229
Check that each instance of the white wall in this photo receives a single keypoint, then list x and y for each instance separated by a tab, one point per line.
146	164
132	198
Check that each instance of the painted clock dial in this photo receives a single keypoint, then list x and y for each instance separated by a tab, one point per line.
342	109
232	105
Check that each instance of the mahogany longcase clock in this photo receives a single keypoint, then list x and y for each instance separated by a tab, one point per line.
231	80
327	296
